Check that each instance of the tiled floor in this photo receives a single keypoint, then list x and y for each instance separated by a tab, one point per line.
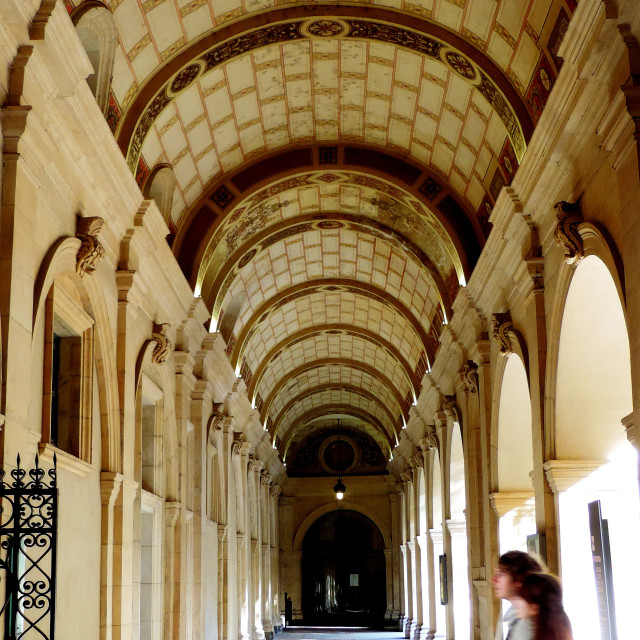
327	633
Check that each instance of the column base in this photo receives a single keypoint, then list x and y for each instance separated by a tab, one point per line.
415	630
406	626
426	634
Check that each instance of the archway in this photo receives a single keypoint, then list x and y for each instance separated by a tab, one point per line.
343	571
514	501
594	460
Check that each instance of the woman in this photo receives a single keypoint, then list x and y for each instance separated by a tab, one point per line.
540	600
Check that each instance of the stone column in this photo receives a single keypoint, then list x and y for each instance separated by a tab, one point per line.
396	592
224	606
267	588
416	558
111	549
172	568
276	545
426	542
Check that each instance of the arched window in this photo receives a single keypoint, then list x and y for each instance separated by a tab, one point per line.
159	187
231	315
96	30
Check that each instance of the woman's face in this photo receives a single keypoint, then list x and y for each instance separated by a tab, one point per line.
523	608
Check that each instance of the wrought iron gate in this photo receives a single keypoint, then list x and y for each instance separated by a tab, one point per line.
28	529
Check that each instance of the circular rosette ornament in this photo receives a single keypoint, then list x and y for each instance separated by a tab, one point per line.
327	28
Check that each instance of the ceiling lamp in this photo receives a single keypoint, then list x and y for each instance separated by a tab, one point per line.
339	487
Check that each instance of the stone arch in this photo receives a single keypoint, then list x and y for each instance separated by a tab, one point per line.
162	374
61	260
298	538
96	29
591	459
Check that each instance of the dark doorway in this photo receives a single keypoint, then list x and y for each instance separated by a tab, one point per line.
343	572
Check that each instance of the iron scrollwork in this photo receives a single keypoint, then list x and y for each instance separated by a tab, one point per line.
28	536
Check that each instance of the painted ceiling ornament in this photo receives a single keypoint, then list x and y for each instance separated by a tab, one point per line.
460	65
502	332
91	251
566	232
469	376
163	345
325	28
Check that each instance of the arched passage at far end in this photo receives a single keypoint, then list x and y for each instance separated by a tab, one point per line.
331	506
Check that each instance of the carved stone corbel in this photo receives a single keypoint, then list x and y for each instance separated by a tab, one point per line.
265	478
163	346
215	420
450	408
566	232
502	332
406	476
240	445
469	376
416	458
274	490
40	20
91	251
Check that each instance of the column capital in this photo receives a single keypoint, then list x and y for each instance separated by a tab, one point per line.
629	427
110	483
505	501
563	474
171	512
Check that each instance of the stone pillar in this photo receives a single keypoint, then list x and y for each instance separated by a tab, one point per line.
416	558
396	602
111	549
224	629
276	544
172	568
426	542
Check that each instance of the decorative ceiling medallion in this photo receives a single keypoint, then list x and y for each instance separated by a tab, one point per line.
185	78
330	224
246	259
328	177
460	65
329	28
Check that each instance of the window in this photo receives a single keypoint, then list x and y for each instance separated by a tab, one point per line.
68	376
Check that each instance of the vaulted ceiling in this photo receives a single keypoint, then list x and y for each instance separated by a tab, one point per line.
334	168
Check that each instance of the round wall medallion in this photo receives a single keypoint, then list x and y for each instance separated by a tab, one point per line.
326	28
339	454
460	65
185	78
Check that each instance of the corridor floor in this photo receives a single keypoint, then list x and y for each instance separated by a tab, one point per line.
336	633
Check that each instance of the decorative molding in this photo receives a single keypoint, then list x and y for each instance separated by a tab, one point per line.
469	376
631	88
40	20
502	330
163	346
566	232
564	474
90	251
